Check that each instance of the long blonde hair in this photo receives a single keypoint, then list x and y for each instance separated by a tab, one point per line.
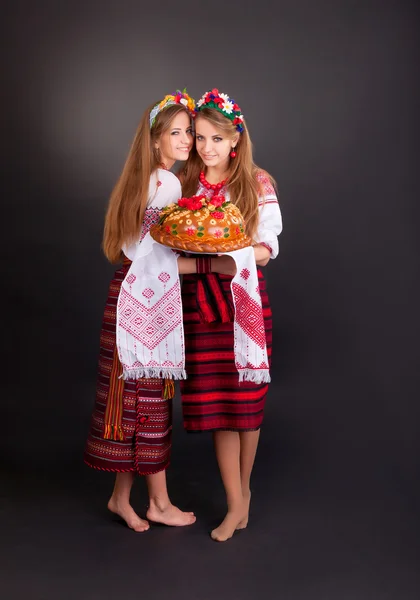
128	201
243	185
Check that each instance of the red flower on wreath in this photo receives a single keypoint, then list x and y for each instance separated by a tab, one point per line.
190	231
217	200
193	203
218	215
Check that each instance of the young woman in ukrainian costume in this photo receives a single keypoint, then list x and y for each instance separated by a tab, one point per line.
132	419
213	398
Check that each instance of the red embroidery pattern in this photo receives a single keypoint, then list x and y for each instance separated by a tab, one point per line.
150	217
249	365
266	184
164	277
156	321
249	315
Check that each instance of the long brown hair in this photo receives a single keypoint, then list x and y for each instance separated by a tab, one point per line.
243	186
128	201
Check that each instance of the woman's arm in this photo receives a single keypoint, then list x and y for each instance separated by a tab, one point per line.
262	255
219	264
186	265
270	222
225	265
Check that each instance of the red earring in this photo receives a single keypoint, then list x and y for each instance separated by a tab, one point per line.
233	153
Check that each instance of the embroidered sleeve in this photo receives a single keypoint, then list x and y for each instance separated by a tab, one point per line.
270	224
164	188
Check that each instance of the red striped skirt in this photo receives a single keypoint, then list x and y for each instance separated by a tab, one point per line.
146	417
212	397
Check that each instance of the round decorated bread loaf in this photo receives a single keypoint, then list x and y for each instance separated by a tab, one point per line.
200	224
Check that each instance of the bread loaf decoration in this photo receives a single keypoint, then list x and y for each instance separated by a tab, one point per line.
200	224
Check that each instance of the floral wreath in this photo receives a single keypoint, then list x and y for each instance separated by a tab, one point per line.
221	102
171	99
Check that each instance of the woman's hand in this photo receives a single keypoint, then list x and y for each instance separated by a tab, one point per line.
225	265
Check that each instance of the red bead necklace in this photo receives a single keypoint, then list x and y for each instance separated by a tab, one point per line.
215	187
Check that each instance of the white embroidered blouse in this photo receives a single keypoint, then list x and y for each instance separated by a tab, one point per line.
164	188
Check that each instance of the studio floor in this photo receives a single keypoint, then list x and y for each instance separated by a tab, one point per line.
319	533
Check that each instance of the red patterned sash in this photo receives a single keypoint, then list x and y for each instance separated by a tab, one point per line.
213	303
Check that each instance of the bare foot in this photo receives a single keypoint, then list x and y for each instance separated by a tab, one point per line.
126	512
247	502
169	515
229	525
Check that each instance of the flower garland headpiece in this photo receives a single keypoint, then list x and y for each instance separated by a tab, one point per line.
221	102
170	99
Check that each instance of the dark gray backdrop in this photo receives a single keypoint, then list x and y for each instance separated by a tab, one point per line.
330	93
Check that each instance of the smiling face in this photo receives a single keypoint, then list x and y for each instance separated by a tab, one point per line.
176	143
213	143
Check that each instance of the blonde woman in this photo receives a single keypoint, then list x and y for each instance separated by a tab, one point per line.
212	397
131	423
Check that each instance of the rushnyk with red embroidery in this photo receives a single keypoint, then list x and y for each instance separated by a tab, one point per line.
150	334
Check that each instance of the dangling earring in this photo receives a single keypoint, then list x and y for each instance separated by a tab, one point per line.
233	153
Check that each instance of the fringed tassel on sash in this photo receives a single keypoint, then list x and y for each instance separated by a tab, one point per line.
114	405
154	373
168	391
260	376
114	432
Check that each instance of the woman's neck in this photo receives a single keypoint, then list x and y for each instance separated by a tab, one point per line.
166	164
216	174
